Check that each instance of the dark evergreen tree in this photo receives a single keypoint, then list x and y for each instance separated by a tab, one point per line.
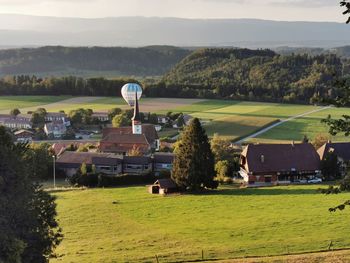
28	229
194	165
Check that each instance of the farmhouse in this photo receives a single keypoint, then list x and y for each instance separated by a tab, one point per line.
14	123
163	161
341	149
24	136
137	165
263	164
55	129
70	162
101	116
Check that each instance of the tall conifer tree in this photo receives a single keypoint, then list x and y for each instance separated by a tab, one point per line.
194	163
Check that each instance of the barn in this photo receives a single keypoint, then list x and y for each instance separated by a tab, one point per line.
163	187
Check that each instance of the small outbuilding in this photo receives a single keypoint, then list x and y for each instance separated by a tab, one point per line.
163	186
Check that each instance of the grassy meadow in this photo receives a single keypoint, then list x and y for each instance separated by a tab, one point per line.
10	102
130	225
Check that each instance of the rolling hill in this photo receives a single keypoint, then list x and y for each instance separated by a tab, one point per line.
24	30
82	61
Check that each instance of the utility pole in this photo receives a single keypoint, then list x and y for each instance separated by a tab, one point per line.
54	171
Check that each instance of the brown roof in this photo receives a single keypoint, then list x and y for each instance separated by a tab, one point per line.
147	129
163	157
263	158
77	158
137	160
122	143
106	160
165	183
126	138
341	149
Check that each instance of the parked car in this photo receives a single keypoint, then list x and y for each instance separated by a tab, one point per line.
315	181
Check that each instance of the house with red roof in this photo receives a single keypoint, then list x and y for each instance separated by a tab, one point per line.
264	164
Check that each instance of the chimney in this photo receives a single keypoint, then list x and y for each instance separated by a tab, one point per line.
262	158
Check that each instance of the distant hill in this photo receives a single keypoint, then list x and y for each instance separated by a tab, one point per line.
94	61
343	52
251	75
22	30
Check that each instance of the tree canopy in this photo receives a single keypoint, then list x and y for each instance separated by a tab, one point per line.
194	164
29	231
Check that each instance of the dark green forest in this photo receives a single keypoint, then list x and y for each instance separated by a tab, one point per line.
243	74
252	75
120	61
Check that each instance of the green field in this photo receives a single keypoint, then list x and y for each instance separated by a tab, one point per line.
231	119
130	225
10	102
309	125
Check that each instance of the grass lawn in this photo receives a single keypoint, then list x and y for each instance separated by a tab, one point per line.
10	102
130	225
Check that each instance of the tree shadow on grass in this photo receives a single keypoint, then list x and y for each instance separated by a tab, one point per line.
259	191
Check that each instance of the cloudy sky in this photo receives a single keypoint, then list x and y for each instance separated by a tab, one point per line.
305	10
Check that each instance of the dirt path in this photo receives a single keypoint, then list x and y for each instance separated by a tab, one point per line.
58	104
281	122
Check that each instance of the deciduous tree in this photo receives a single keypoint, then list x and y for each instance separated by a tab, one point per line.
29	231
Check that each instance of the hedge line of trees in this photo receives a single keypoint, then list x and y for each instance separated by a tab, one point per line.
70	85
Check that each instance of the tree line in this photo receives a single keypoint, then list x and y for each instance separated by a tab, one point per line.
240	74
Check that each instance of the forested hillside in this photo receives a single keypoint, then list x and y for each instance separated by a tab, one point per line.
251	74
94	61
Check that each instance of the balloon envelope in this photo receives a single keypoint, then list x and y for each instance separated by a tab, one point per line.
128	93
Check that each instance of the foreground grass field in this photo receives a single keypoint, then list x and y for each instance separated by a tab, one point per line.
130	225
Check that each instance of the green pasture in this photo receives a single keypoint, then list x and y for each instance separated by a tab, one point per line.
131	225
10	102
309	125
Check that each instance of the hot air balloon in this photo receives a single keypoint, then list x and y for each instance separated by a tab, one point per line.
128	93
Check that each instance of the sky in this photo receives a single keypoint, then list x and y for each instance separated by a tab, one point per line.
287	10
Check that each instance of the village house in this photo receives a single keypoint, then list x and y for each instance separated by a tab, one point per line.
122	143
57	117
340	149
138	165
14	123
163	161
55	129
70	162
24	136
264	164
101	116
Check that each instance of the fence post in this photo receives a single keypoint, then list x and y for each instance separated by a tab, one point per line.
330	246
